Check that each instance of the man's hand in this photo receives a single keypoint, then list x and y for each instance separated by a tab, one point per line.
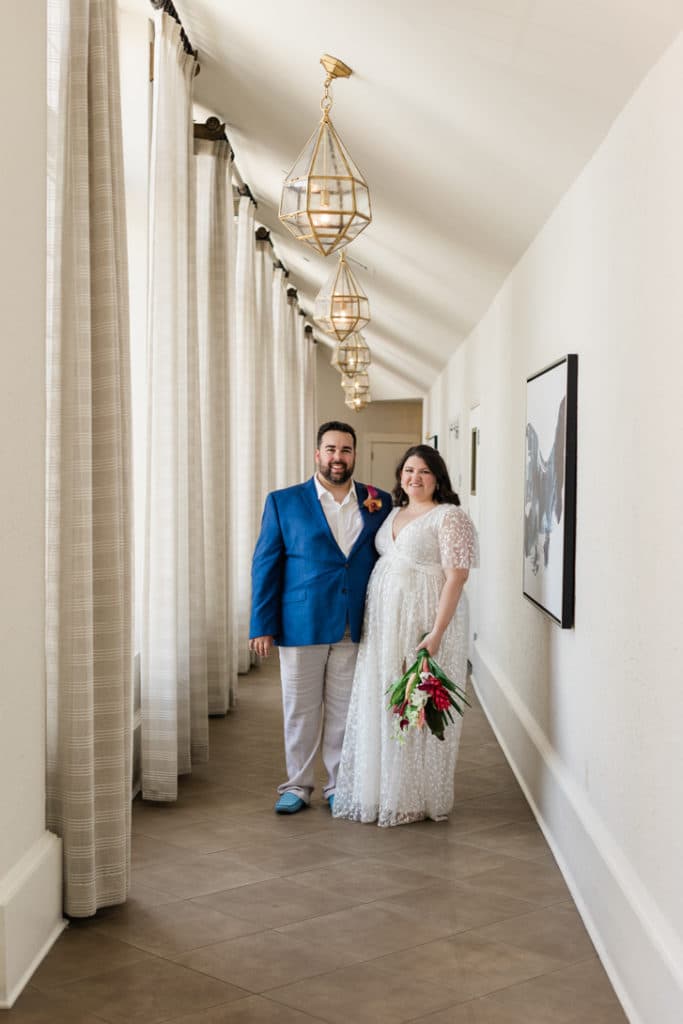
261	645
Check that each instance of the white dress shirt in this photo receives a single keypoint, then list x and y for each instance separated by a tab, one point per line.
345	519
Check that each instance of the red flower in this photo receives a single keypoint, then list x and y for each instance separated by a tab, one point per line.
437	692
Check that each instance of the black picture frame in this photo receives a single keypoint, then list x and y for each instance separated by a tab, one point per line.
549	545
433	440
474	460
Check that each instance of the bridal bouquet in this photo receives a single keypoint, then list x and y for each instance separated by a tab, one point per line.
424	695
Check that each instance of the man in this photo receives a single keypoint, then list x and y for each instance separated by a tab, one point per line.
310	572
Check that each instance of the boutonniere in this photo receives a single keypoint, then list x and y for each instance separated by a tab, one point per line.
373	502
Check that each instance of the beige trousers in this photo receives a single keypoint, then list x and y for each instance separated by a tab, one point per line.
316	687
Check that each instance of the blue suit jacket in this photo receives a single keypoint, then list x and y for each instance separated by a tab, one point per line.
304	589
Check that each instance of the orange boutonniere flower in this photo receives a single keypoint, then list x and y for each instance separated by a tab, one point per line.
373	502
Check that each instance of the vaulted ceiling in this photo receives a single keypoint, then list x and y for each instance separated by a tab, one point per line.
469	119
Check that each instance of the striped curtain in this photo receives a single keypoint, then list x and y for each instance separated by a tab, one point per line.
246	424
267	384
215	220
173	650
89	522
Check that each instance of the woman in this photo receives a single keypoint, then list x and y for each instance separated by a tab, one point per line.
427	546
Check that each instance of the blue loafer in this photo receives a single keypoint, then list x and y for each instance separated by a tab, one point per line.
330	801
289	803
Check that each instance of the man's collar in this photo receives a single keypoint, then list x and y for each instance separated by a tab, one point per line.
321	490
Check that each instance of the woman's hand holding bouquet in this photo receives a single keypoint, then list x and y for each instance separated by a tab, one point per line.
424	695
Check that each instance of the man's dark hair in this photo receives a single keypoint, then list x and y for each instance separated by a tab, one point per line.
343	428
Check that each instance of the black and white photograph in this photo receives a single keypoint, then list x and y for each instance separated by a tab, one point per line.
550	490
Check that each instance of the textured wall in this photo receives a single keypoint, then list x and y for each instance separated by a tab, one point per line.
592	716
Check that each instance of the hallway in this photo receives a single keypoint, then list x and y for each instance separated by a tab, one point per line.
237	916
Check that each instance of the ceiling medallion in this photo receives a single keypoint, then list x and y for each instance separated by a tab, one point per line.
341	306
325	199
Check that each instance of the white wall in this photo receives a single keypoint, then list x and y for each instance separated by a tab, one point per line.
592	717
30	859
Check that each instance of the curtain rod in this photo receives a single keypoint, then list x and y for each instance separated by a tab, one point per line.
244	190
168	7
213	131
263	235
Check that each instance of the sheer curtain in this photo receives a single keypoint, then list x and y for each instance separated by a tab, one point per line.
287	419
89	528
215	219
294	423
173	663
309	426
267	385
280	401
246	410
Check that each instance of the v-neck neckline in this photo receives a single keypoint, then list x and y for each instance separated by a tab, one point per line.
416	519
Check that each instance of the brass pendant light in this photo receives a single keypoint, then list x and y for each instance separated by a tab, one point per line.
353	355
357	385
357	402
325	199
341	306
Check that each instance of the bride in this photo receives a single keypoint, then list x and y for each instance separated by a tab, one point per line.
427	546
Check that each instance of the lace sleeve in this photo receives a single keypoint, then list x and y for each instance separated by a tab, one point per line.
458	544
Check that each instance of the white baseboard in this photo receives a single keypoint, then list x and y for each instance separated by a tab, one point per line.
30	914
640	951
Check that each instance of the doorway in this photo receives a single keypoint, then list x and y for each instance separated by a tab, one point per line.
385	452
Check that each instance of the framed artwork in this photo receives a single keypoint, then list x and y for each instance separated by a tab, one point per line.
433	440
474	451
550	490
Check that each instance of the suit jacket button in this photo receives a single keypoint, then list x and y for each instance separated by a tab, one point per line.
344	590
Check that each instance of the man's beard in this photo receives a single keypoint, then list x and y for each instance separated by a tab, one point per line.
339	475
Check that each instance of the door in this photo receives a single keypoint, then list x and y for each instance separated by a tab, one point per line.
386	451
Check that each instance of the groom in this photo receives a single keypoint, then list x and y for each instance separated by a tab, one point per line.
310	572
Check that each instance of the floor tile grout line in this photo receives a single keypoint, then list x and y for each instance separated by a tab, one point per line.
524	981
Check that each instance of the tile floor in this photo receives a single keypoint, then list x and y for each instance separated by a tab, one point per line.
239	916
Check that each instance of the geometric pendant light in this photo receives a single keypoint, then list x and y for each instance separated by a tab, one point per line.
353	355
325	200
358	385
341	306
357	402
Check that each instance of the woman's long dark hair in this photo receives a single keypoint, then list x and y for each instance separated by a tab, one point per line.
443	492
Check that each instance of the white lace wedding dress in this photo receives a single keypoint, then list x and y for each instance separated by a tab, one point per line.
381	779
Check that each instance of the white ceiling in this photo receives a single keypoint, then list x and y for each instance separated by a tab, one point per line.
469	119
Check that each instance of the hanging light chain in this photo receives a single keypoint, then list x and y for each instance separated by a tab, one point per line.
326	101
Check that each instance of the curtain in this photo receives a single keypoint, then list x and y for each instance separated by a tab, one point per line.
280	402
268	385
246	410
309	402
173	656
89	523
288	425
296	348
215	219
